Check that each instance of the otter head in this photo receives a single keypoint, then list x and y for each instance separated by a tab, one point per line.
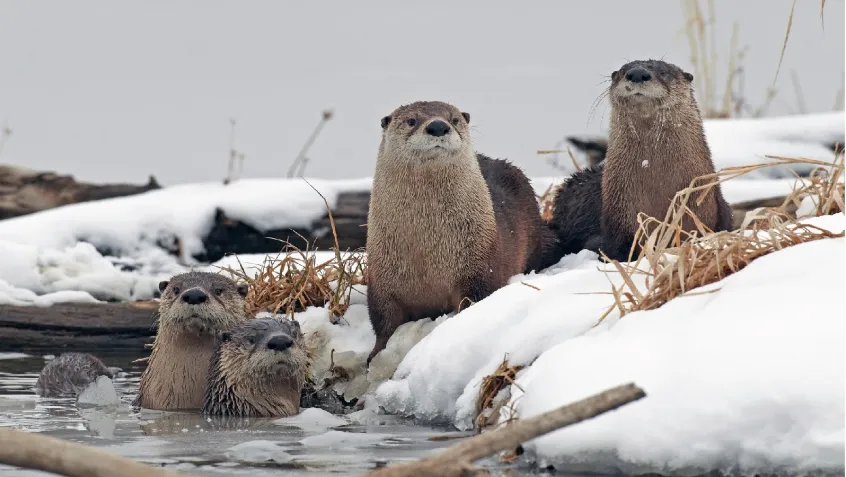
650	82
264	348
426	130
201	303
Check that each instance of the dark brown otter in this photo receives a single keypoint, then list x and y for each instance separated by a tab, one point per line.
445	224
69	374
656	147
258	369
196	308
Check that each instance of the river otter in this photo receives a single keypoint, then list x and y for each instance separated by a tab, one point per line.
258	369
445	224
195	309
69	374
656	147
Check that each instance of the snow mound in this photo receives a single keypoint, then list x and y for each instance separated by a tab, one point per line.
738	380
130	226
312	419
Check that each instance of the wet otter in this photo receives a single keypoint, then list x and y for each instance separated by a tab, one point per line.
69	374
656	147
196	308
445	224
258	369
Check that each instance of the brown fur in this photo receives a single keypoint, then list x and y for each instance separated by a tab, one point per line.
445	224
656	147
69	374
176	374
251	376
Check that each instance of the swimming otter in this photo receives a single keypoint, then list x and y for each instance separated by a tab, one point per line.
69	374
656	147
258	369
196	308
445	224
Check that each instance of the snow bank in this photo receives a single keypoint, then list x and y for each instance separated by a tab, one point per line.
127	225
747	379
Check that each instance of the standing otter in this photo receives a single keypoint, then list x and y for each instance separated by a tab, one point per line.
656	147
69	374
445	224
258	369
195	309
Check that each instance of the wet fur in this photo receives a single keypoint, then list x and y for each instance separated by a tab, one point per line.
177	372
69	374
445	225
576	210
247	379
662	126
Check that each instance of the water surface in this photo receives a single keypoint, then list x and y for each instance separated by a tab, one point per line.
190	443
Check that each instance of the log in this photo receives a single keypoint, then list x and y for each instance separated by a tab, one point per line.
25	191
91	326
33	451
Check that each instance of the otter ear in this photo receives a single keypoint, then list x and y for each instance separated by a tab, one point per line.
385	121
687	76
162	285
243	289
466	117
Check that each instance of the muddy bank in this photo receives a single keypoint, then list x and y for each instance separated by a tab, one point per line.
103	327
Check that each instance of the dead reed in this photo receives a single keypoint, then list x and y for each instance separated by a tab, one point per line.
490	387
674	261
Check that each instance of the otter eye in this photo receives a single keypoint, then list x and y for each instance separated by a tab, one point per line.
218	291
411	122
176	290
251	340
455	121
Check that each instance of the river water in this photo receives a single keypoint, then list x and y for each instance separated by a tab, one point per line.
192	444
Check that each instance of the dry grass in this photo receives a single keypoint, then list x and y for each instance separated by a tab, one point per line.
490	387
824	187
295	281
673	262
547	202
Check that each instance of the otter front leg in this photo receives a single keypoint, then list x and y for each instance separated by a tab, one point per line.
386	315
475	288
615	243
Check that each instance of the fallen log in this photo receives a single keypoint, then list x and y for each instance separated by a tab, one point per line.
33	451
24	191
90	326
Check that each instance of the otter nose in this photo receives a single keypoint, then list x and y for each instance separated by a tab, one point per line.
638	75
437	128
194	297
280	343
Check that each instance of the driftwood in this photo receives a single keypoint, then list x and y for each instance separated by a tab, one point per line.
96	327
33	451
24	191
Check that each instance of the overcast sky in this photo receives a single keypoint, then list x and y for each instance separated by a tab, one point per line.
117	90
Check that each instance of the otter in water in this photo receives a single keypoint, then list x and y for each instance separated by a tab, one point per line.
445	224
69	374
656	147
258	369
196	308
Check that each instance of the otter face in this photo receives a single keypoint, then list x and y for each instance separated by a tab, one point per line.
425	130
650	81
201	303
264	347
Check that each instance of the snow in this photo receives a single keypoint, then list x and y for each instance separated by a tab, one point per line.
258	452
748	379
129	225
312	419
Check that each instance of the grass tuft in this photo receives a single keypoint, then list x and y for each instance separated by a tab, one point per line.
674	262
490	387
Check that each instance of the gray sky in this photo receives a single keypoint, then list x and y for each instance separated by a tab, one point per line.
119	90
